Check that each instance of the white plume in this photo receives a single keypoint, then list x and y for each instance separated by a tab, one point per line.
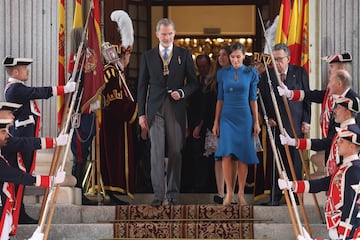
125	27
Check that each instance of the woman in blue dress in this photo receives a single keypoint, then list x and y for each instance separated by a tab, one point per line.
236	120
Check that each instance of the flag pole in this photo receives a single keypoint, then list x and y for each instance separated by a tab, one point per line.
281	128
65	122
295	219
291	121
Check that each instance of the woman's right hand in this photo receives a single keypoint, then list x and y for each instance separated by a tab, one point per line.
215	129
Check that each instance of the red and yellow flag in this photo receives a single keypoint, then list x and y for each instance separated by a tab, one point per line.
284	21
97	19
94	77
305	36
78	16
77	23
293	30
61	58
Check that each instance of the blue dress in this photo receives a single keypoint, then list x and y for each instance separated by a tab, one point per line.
236	122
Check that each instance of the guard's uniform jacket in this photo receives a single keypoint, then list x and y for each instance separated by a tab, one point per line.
27	117
10	153
328	144
9	176
327	121
340	196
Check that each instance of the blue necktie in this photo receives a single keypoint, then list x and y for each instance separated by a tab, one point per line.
166	54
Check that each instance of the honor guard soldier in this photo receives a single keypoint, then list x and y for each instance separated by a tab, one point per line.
336	62
9	176
344	114
118	115
27	117
10	152
341	218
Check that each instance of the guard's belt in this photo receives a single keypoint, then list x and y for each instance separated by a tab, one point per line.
26	122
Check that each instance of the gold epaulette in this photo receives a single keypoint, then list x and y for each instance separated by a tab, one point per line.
110	72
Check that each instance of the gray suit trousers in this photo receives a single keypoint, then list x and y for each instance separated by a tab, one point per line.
166	129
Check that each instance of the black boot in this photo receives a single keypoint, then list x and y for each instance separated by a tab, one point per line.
24	218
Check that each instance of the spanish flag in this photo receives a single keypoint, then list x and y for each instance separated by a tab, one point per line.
78	17
61	58
298	34
284	21
293	30
305	36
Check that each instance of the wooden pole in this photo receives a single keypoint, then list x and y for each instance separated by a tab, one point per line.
68	111
279	122
295	219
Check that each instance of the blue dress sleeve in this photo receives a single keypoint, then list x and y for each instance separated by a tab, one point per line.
253	84
219	76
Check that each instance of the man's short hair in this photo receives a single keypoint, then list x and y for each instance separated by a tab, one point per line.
344	76
282	46
165	22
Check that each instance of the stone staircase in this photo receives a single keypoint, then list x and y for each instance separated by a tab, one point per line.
76	222
72	221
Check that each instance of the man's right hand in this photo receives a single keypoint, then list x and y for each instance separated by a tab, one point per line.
283	90
284	184
143	122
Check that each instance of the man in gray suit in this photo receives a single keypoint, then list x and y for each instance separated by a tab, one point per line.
167	76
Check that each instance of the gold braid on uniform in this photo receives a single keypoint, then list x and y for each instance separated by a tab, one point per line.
110	72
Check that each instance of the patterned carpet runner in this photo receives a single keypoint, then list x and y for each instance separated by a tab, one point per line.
184	221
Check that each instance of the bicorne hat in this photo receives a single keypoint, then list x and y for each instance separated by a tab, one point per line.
351	102
343	57
11	61
350	133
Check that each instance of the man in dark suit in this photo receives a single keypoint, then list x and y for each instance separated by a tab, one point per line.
294	77
194	163
167	76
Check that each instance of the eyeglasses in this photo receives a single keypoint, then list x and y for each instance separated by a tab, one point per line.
279	59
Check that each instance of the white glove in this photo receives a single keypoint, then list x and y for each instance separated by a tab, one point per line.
69	87
37	235
95	106
333	234
60	177
284	184
62	139
283	90
287	140
305	236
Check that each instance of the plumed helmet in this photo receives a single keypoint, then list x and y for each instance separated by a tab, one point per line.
125	29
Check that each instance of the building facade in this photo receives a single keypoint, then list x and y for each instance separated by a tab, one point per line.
30	29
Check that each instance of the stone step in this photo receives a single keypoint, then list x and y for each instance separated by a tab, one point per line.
65	213
86	231
83	231
95	222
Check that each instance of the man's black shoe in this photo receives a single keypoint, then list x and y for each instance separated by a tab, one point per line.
26	219
271	203
172	201
218	199
115	201
86	201
156	203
